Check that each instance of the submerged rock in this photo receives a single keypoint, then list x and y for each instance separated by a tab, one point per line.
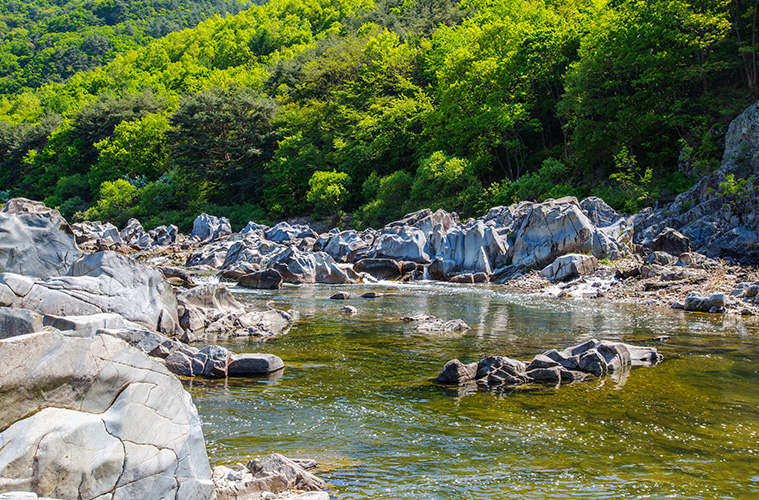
269	475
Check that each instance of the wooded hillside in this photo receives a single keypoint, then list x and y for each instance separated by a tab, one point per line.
326	106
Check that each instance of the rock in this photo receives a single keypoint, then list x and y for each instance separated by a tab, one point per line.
661	258
371	295
345	246
212	255
15	322
694	301
475	247
382	269
86	416
36	240
209	228
95	230
176	272
284	232
217	363
599	213
102	282
347	310
437	325
318	267
340	296
163	235
573	364
213	297
269	279
556	228
671	242
569	267
400	243
134	234
296	476
457	373
252	227
87	325
441	269
254	364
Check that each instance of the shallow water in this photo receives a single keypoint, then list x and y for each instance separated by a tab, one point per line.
358	395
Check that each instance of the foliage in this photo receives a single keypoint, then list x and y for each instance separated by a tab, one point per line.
417	103
327	192
737	193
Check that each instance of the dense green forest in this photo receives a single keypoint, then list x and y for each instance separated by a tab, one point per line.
373	108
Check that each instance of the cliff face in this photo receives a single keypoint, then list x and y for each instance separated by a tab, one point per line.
718	214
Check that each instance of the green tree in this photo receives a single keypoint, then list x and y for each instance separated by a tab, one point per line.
327	193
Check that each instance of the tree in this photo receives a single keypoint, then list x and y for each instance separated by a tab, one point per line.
221	139
327	192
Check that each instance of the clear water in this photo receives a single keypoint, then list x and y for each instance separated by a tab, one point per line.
358	395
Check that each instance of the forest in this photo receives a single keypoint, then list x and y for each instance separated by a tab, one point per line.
358	111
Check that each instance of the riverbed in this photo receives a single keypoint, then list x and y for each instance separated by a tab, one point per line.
358	395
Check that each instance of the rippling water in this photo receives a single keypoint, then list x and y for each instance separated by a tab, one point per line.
358	395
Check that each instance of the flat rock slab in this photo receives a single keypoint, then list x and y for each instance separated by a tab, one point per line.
254	364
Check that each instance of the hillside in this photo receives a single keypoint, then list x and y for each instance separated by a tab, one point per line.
332	106
48	41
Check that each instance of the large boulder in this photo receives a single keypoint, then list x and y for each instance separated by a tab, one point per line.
570	266
382	269
474	247
35	240
317	267
95	230
134	234
209	228
671	242
102	282
93	418
165	235
556	228
344	247
400	243
269	279
211	255
599	212
284	232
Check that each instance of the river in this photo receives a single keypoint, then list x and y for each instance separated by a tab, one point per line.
358	395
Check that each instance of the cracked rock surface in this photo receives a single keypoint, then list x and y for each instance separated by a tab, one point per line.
93	418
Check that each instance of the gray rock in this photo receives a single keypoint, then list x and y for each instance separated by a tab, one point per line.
437	325
252	227
400	243
15	322
254	364
599	213
296	476
345	246
318	267
694	301
134	234
212	255
671	242
382	269
35	241
284	232
270	279
88	417
456	373
474	247
163	235
209	228
214	297
340	296
217	364
87	325
661	258
103	282
347	310
570	266
95	230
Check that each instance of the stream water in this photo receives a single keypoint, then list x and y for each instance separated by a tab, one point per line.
358	395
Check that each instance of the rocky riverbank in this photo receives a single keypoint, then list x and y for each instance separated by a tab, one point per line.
95	323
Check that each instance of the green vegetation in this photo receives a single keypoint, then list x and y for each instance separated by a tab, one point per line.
371	107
